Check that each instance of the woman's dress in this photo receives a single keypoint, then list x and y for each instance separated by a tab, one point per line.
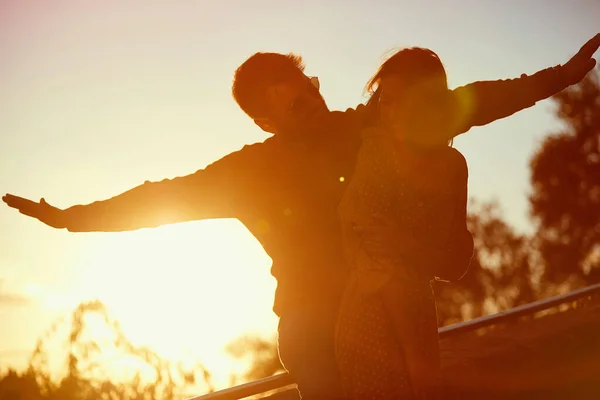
416	192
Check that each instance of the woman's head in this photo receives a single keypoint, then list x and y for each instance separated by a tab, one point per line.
407	90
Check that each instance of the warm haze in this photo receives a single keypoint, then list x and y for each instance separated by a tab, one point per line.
98	97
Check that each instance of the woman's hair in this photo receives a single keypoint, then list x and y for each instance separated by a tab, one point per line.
414	64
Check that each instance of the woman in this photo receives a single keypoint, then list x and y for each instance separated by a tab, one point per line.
412	187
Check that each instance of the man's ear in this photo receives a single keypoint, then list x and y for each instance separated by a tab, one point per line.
266	125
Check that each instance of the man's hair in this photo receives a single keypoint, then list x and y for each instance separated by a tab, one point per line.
256	74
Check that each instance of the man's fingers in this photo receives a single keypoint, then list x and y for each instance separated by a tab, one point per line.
42	210
7	198
384	222
368	229
20	203
12	201
12	197
375	233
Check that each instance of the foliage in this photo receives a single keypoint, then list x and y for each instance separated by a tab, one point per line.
95	348
565	176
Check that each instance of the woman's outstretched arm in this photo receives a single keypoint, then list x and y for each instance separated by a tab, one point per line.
481	103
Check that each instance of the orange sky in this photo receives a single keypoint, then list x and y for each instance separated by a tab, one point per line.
99	97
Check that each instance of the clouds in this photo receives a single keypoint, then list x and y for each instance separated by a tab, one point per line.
10	296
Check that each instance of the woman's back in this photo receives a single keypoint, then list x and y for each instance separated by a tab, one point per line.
402	186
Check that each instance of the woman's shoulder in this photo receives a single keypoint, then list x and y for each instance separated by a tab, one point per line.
457	161
455	155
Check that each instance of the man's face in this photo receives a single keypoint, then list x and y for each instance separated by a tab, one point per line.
294	105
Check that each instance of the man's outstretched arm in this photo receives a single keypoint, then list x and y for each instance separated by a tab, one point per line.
208	193
481	103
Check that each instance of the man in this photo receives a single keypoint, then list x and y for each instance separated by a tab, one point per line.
286	190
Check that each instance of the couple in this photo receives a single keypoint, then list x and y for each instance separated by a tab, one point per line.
287	191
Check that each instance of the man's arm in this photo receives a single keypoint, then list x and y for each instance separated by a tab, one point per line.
447	262
208	193
201	195
481	103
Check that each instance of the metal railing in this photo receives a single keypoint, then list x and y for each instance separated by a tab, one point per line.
284	379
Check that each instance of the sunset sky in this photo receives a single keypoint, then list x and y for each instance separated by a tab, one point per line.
97	97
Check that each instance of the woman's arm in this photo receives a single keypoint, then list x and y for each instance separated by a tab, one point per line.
481	103
457	252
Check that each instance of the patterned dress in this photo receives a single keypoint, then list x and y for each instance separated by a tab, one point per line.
416	192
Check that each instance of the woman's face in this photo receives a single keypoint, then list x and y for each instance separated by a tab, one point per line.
411	109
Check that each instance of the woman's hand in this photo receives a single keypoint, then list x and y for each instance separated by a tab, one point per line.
581	63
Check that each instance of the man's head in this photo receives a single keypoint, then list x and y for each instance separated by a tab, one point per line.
273	90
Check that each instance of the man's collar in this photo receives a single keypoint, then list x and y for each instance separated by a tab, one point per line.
333	121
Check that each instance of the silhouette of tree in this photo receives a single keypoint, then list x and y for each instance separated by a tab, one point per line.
14	386
95	348
565	175
262	353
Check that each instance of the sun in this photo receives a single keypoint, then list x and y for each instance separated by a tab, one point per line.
185	290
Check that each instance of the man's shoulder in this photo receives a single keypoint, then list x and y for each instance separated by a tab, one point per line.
353	116
247	156
257	149
348	123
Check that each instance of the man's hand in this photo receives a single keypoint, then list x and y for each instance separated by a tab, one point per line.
380	242
383	239
43	211
581	63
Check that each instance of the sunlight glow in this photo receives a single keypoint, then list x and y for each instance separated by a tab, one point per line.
185	290
50	300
